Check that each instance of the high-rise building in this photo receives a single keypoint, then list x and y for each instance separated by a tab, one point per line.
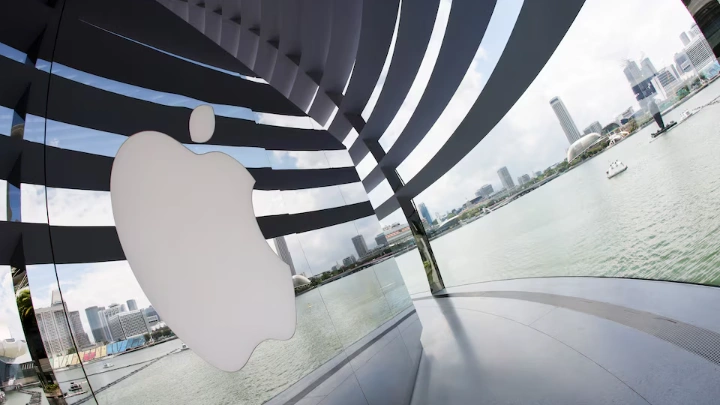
132	305
360	246
104	323
96	326
684	38
525	178
505	178
695	31
381	240
484	191
520	181
699	53
284	253
566	121
81	337
668	80
682	62
595	127
53	325
648	69
133	323
633	74
349	260
425	213
115	333
115	328
123	308
150	311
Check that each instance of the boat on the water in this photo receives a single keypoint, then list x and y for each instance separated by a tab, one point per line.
668	127
108	365
686	114
184	347
616	168
75	389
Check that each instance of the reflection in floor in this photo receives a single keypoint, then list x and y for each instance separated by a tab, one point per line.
570	341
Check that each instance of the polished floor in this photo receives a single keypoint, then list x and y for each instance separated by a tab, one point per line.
570	341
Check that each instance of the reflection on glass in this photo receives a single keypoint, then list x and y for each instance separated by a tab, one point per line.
280	159
350	139
12	53
4	211
32	203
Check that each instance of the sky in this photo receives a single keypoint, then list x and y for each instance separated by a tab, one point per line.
585	71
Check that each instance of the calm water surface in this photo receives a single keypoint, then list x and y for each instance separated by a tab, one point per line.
660	219
329	319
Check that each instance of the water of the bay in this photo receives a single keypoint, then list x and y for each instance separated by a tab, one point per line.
658	220
329	319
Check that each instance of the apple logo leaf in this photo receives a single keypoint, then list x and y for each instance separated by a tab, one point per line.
187	227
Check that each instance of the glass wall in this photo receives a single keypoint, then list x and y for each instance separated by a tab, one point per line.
515	207
98	335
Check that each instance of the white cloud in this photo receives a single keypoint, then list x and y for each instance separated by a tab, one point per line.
32	204
67	207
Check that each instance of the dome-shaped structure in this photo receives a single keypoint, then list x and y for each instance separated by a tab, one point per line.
299	281
12	348
581	145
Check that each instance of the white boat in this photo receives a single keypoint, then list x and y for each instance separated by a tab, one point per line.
616	168
686	114
108	365
184	347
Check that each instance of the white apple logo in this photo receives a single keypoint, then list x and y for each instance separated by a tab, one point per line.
187	226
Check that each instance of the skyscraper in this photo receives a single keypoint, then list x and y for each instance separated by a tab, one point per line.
700	53
684	38
566	121
648	69
132	305
682	62
425	213
81	337
381	240
484	191
53	325
349	260
632	73
96	326
594	127
505	178
360	246
115	333
284	253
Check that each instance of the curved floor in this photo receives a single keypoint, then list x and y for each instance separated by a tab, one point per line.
570	341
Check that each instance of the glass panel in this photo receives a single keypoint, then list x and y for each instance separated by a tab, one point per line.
4	213
560	214
268	203
6	120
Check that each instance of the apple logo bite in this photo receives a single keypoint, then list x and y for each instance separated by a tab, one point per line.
187	227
